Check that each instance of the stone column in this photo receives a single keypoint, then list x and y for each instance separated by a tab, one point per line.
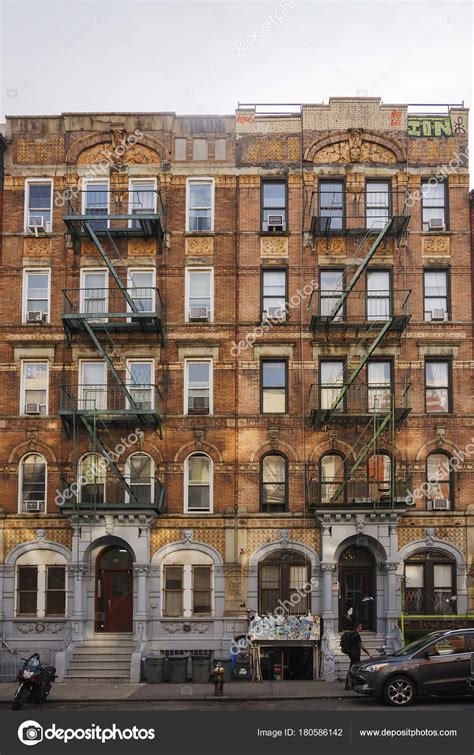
78	573
142	571
393	609
328	571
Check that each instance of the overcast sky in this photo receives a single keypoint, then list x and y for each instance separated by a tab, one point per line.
198	57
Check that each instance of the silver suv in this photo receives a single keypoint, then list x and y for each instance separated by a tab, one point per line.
441	663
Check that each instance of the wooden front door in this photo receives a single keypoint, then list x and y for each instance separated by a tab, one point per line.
114	591
357	595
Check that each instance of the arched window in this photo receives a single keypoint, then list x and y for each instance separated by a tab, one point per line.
284	583
32	483
140	477
198	487
380	476
91	479
331	474
41	584
439	478
274	483
188	584
430	583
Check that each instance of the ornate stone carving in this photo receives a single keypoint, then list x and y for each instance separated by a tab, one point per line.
332	246
199	246
355	149
40	537
32	436
175	627
435	245
198	438
284	538
360	522
187	537
274	434
273	246
430	535
36	247
108	524
355	144
141	248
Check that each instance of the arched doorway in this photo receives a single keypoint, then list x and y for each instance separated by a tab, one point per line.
357	588
114	590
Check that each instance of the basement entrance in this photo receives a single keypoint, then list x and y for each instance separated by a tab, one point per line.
287	663
114	591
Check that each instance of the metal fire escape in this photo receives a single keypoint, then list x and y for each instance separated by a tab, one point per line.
346	401
102	313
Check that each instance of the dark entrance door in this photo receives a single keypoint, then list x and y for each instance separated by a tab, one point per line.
114	591
357	594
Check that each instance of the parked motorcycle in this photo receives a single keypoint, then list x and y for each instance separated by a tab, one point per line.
35	682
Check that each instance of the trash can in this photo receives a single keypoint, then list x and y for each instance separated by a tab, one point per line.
154	669
178	669
243	667
201	673
227	664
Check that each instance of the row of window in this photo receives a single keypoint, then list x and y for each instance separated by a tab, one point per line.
199	293
198	489
188	585
198	386
274	202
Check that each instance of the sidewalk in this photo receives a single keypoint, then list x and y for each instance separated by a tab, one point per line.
75	692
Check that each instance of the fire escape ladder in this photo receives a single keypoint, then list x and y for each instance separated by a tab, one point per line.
362	265
364	359
380	424
110	364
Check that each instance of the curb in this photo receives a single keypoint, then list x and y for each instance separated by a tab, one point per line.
192	698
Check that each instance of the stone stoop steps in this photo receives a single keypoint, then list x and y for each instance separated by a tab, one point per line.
104	657
371	641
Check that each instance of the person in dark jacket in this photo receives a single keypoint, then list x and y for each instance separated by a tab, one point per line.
355	646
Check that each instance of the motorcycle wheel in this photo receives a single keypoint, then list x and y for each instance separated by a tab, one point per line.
21	697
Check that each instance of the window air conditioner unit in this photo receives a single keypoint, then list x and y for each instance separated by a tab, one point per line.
37	224
198	404
275	223
439	504
439	314
436	224
34	316
33	505
274	313
32	409
199	314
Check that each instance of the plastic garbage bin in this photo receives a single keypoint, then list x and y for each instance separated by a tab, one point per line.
201	669
178	669
154	669
227	664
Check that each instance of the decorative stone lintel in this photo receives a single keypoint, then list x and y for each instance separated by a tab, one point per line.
273	246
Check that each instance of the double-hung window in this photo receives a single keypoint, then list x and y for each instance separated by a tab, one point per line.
140	384
274	387
378	295
198	386
330	290
433	204
38	206
199	295
436	295
437	387
377	204
95	199
274	294
200	205
331	383
274	210
331	205
41	589
379	386
36	292
94	294
142	199
34	389
141	289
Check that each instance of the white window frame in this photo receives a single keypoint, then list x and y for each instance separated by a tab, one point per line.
94	270
187	562
24	362
85	183
187	290
130	272
28	183
210	510
186	381
200	179
138	180
80	381
128	377
152	474
79	474
24	304
21	510
55	559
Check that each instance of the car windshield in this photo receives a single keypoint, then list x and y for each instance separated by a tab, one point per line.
412	647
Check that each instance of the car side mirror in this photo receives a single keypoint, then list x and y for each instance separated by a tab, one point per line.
427	655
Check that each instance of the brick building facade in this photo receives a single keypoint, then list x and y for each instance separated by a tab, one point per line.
157	302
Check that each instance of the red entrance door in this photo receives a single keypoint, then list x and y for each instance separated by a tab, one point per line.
114	596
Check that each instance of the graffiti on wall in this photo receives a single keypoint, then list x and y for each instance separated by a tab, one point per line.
285	628
429	126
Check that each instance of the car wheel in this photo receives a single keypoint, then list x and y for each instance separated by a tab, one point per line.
399	691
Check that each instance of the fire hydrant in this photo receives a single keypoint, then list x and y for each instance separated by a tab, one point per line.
218	680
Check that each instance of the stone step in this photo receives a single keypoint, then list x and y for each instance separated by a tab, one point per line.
91	679
79	663
107	644
112	652
89	673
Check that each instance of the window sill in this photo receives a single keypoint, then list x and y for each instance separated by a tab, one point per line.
198	233
274	233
